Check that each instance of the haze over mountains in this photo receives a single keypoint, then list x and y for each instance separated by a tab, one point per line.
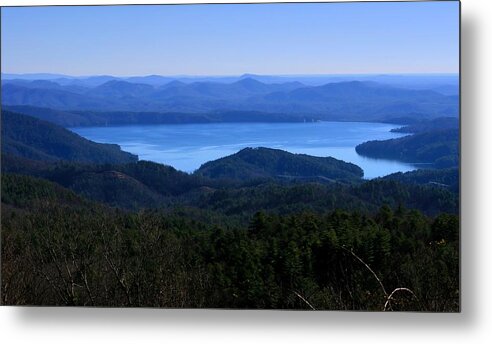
375	98
411	81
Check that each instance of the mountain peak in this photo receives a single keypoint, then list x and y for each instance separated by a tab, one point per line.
174	83
249	82
121	83
247	75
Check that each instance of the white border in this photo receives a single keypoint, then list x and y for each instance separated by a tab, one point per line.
77	325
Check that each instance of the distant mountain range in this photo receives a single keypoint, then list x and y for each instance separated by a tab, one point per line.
446	83
346	100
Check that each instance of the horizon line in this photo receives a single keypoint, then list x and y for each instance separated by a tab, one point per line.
233	75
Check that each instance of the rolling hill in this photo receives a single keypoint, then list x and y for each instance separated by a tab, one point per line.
70	119
439	123
438	147
35	139
258	163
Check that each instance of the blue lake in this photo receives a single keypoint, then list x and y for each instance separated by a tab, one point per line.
187	146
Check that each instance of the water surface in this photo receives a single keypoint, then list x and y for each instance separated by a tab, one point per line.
187	146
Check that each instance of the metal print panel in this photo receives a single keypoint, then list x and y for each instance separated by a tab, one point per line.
248	156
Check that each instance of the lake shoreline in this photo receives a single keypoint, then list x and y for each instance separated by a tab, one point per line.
397	122
188	146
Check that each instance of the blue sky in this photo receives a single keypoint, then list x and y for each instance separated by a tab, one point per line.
330	38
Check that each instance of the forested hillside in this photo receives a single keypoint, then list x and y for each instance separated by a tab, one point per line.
448	178
251	163
35	139
440	123
72	252
150	185
117	118
438	147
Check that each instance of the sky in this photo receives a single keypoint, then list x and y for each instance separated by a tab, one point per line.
326	38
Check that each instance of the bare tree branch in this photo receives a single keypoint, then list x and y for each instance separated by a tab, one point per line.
390	297
303	299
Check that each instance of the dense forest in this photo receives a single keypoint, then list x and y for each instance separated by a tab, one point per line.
81	118
437	147
440	123
36	139
88	224
60	249
150	185
251	163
